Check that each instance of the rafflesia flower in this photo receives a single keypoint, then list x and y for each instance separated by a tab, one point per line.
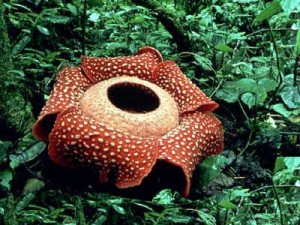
125	114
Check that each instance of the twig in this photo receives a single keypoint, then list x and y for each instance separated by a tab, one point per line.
217	88
278	186
246	146
280	76
278	202
264	30
83	23
243	110
295	71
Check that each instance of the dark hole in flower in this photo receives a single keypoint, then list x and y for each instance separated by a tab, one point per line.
47	124
134	98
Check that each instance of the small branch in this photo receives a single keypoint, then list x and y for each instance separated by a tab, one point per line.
296	69
278	202
83	26
264	30
278	186
280	76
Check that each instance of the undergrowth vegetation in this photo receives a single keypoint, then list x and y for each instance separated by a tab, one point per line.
245	54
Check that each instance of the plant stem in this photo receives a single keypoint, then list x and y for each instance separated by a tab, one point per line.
296	68
278	202
280	76
83	26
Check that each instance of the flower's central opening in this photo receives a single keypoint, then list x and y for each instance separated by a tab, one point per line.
131	105
133	97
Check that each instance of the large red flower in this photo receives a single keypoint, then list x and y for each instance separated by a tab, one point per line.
125	114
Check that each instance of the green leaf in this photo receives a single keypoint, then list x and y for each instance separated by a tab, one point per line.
290	96
279	164
249	99
210	169
30	154
5	178
20	45
250	85
227	204
72	9
33	185
119	209
281	109
204	62
94	17
292	163
223	48
289	5
268	84
57	19
24	202
43	30
271	9
164	197
100	220
206	218
228	94
176	216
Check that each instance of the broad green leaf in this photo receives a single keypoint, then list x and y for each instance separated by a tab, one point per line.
210	169
289	5
227	204
271	9
281	109
268	84
250	85
228	94
30	154
223	48
261	71
292	163
279	164
290	96
249	99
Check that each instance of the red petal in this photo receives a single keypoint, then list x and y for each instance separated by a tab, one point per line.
187	95
78	139
198	135
69	87
141	65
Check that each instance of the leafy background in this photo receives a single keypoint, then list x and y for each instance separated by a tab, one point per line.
245	54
